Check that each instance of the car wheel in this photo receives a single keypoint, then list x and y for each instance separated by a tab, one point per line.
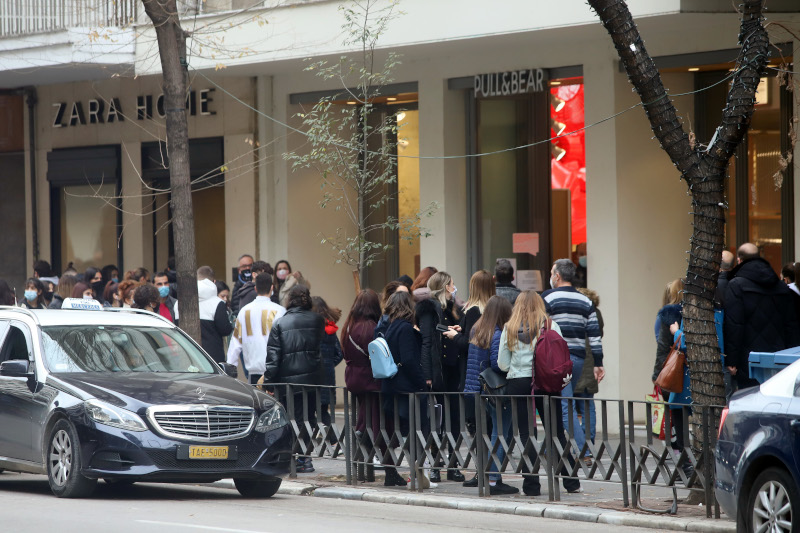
257	488
772	501
64	463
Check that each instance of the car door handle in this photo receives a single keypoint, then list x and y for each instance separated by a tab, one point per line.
795	425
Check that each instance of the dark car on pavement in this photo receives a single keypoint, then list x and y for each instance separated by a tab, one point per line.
758	453
126	396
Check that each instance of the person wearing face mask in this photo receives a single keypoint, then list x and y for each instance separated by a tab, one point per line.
94	278
110	273
42	271
81	290
284	280
33	294
146	297
167	305
247	293
441	356
244	276
125	292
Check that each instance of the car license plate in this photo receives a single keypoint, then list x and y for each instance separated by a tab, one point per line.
208	452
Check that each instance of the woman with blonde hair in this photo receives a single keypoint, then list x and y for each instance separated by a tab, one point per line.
64	290
440	355
516	357
481	288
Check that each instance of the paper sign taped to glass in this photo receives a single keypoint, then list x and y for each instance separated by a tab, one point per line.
526	243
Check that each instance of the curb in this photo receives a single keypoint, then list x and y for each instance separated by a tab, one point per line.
546	510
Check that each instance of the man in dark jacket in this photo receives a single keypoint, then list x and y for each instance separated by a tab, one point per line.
293	356
244	276
760	313
503	276
247	292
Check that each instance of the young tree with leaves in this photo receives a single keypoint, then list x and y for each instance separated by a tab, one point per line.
172	51
704	169
354	146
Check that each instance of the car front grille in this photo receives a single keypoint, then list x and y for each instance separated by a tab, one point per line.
202	423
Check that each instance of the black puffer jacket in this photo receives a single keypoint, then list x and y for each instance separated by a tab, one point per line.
760	313
293	348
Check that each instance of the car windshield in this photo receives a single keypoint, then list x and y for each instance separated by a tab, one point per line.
93	348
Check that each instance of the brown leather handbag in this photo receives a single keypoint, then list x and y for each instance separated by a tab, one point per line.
670	379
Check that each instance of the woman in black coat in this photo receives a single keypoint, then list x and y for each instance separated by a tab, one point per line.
441	357
405	344
293	356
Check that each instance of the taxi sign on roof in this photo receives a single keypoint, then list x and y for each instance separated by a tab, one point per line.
86	304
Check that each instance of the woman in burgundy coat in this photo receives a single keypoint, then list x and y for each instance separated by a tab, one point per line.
358	331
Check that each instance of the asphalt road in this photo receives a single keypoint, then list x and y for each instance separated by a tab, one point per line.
28	506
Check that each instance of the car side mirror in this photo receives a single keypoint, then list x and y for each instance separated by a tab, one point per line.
15	368
229	369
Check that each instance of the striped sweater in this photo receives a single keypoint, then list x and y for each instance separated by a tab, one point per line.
577	317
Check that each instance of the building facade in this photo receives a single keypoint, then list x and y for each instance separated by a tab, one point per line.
481	97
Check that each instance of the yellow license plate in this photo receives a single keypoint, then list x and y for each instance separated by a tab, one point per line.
208	452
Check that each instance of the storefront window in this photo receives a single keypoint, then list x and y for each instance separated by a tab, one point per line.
88	226
568	170
408	188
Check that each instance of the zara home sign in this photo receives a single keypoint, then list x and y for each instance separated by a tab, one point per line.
509	83
110	110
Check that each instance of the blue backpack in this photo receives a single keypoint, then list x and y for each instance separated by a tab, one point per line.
380	357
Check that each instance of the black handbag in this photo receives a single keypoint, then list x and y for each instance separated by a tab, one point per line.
493	383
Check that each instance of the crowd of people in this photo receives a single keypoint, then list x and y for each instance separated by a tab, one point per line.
271	325
755	310
439	342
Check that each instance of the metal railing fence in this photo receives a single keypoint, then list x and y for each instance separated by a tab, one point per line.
454	431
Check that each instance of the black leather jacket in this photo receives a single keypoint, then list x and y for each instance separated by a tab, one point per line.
293	348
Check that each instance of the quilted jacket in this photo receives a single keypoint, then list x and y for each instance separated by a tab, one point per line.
760	313
479	359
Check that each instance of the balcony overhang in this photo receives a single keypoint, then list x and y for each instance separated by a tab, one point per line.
66	56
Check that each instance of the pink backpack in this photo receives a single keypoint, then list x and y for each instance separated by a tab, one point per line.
552	367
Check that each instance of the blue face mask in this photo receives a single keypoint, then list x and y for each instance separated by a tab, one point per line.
163	291
582	261
30	295
115	280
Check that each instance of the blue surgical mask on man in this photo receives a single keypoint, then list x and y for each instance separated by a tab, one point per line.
163	291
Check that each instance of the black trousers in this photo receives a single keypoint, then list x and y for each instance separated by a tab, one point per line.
520	387
302	413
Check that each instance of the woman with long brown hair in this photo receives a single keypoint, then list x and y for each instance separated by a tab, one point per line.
516	356
484	348
357	332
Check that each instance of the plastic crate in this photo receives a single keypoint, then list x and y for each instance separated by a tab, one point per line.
764	365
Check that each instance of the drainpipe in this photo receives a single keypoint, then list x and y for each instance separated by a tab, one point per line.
31	99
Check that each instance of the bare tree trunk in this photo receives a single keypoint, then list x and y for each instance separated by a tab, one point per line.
172	49
704	171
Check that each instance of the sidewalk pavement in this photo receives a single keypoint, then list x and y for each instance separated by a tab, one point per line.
600	502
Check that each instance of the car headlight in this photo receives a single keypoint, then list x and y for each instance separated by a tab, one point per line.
273	418
109	415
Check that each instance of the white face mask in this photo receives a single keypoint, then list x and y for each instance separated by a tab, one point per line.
455	290
552	282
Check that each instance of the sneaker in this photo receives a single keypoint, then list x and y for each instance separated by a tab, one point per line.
435	476
575	491
305	466
471	482
501	488
532	492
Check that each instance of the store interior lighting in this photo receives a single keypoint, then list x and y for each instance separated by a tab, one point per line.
557	103
558	127
557	152
401	115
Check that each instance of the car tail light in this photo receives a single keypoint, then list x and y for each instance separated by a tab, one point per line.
722	418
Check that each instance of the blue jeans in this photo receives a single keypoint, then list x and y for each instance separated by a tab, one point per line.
589	417
580	437
505	408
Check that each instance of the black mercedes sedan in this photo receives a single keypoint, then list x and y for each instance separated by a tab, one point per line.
127	396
